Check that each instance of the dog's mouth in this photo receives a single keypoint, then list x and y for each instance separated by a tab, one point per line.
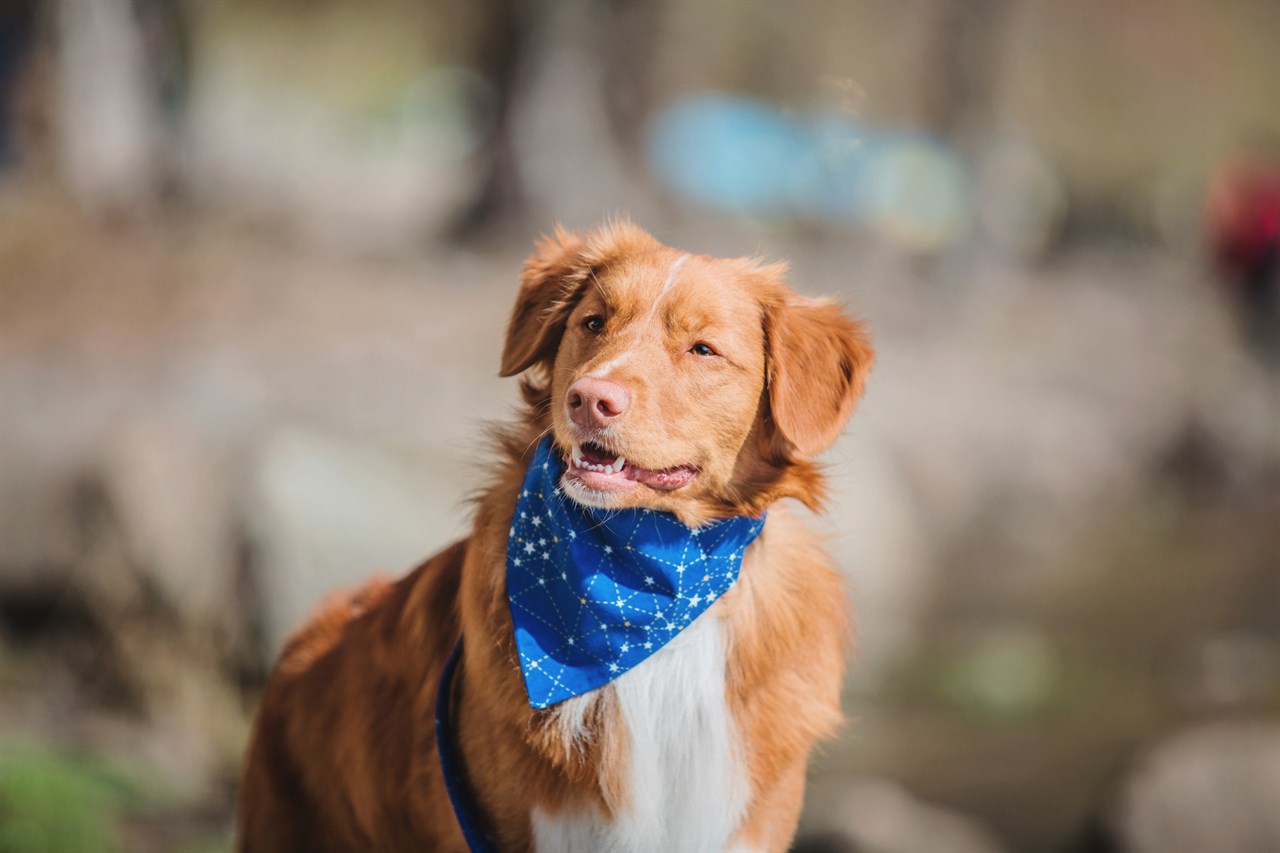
599	468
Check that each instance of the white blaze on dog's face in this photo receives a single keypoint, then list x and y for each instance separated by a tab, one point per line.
678	382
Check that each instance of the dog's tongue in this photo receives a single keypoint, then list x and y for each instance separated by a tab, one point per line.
672	478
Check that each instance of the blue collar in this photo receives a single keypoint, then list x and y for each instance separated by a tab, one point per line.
464	807
593	593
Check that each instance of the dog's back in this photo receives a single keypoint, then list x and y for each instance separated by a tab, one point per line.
343	755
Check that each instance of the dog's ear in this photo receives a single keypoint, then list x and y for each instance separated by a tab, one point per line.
552	280
818	361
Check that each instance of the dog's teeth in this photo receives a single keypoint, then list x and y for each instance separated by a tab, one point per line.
575	456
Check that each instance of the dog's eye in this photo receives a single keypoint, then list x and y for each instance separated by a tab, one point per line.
594	324
701	348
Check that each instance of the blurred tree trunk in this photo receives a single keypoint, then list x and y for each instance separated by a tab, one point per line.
968	44
108	123
628	43
168	28
121	73
503	43
17	33
522	43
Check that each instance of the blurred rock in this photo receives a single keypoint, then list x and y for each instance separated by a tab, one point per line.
1225	671
877	543
170	492
879	816
1093	414
1021	200
326	513
1212	788
1238	404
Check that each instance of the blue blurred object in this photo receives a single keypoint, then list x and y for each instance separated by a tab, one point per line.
744	156
730	153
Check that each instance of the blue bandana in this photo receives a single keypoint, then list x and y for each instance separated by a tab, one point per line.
594	592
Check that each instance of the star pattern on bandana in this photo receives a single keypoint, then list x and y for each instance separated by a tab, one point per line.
592	593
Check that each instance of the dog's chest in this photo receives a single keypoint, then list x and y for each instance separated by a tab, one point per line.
687	786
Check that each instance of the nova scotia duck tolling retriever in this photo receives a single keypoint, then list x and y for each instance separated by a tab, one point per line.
639	644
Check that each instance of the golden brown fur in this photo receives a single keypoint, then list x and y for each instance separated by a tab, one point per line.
343	757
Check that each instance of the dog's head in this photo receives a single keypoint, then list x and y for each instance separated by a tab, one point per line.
679	382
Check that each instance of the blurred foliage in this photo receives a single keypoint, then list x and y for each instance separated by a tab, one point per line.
56	802
1006	677
358	60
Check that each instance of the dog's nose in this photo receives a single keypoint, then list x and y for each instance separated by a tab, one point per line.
593	402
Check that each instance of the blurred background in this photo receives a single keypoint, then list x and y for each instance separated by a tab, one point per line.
256	259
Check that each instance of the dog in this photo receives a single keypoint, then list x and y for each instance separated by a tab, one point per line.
674	393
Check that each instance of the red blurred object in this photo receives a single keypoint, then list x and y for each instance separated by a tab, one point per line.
1242	218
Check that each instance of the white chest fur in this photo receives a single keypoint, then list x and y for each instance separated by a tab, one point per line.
687	787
